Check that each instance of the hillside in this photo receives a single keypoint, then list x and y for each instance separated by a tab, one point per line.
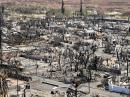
121	5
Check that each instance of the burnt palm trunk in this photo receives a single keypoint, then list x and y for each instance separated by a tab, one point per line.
3	85
24	94
59	61
127	66
76	95
71	63
17	84
62	7
76	67
36	68
81	7
0	48
1	24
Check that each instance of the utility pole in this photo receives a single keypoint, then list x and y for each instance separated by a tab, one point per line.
81	7
62	7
